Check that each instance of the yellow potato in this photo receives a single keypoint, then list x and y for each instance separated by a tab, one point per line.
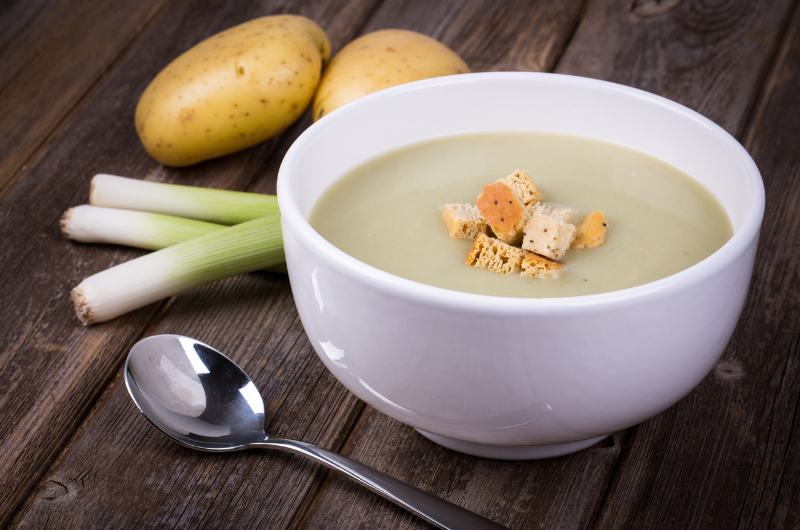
233	90
379	60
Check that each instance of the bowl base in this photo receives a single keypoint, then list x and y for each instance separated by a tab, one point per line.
510	452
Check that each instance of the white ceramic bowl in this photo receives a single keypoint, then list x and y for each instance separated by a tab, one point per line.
517	378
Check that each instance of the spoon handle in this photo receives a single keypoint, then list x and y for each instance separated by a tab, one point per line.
436	511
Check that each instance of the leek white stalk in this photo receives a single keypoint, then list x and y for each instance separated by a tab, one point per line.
151	231
246	247
205	204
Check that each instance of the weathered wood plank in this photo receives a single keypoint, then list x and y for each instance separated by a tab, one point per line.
51	54
118	472
608	32
52	369
17	15
730	42
562	492
122	473
79	512
514	35
725	456
773	499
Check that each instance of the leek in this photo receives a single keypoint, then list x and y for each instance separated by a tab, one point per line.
239	249
204	204
150	231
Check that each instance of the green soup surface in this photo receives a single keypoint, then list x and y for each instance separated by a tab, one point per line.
387	212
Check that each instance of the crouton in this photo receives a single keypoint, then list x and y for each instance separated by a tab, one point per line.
547	236
592	231
536	266
562	214
463	221
523	186
492	254
504	211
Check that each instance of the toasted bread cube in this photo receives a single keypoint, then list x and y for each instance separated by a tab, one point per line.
513	238
592	231
548	236
504	212
535	266
522	184
562	214
493	254
463	221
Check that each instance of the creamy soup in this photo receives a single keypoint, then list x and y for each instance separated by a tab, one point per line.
387	212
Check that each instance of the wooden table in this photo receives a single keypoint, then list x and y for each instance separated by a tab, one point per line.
75	452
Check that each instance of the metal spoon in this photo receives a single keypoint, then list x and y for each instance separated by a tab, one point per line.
203	400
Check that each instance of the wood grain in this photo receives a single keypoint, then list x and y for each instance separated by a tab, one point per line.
51	369
718	458
562	492
51	55
18	15
711	56
773	499
610	31
515	35
77	454
123	473
242	171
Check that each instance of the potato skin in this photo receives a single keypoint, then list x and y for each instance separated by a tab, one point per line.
379	60
232	90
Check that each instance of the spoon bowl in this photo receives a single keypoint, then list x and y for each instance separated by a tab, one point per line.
201	399
194	394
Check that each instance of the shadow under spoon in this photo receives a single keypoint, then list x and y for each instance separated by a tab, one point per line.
201	399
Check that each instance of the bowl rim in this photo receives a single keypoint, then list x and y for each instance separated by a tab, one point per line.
345	264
